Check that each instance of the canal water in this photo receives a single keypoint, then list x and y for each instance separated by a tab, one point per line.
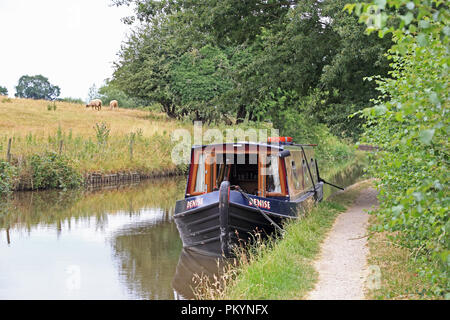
118	243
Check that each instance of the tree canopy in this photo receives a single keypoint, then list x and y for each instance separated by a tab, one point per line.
3	91
204	58
36	87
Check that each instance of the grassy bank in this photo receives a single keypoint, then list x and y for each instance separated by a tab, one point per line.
41	142
282	269
399	267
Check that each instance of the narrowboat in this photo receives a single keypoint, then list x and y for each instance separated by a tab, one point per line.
235	190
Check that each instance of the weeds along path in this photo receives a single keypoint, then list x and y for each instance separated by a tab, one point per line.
342	264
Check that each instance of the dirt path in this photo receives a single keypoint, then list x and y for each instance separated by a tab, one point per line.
342	263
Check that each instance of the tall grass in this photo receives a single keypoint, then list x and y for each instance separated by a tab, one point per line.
103	141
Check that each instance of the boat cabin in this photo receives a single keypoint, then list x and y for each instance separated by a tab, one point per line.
277	169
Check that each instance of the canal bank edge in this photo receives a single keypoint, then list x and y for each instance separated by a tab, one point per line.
98	179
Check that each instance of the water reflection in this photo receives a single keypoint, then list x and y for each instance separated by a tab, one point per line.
107	244
344	177
146	256
190	267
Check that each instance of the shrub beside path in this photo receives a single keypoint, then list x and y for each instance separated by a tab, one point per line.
342	264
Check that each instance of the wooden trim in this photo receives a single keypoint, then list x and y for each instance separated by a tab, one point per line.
214	183
193	180
197	193
212	170
209	167
282	173
275	194
261	175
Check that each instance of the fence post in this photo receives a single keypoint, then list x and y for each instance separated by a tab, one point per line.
131	149
8	151
60	146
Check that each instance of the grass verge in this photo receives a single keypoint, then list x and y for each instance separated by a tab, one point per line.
282	269
398	265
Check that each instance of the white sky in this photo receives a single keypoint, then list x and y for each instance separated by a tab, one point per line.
71	42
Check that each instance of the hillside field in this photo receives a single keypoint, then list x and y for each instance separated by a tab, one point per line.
94	141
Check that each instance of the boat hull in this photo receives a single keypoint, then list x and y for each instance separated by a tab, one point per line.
224	219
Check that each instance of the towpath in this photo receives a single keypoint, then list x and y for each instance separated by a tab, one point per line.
342	264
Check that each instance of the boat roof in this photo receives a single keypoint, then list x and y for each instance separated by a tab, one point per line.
281	146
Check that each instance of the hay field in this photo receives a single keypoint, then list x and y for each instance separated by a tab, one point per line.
23	116
132	139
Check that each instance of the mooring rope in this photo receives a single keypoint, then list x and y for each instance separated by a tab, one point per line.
250	200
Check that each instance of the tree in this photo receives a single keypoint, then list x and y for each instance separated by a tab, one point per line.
309	49
109	92
199	79
3	91
321	54
93	93
36	87
145	61
410	124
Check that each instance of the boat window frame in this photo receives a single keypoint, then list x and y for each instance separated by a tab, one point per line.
304	177
281	175
211	170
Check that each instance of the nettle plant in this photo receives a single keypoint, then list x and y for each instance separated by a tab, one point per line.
411	125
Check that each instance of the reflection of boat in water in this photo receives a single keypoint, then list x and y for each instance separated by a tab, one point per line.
146	253
189	265
237	189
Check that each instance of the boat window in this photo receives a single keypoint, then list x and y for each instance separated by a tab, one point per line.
290	181
238	172
297	182
200	185
306	173
313	170
272	175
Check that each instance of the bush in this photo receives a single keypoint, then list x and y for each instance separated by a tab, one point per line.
51	170
72	100
293	117
8	176
410	124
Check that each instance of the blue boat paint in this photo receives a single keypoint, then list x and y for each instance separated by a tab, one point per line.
213	222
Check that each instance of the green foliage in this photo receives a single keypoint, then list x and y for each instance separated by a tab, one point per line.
51	107
36	87
410	123
198	79
216	60
53	171
8	176
102	131
109	92
3	91
292	118
72	100
144	63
